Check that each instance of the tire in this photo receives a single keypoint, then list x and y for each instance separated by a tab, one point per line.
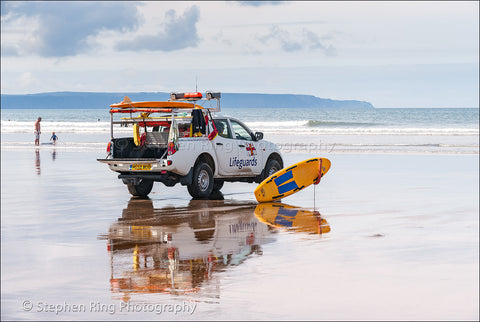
142	189
271	167
202	182
217	185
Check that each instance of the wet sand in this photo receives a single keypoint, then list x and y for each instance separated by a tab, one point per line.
382	237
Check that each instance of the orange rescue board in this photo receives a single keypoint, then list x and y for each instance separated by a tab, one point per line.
292	179
155	104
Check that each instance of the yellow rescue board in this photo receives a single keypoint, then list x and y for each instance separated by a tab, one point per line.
292	179
281	215
154	104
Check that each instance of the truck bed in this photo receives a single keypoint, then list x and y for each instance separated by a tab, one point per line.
125	148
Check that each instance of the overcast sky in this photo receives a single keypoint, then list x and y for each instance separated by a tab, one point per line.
391	54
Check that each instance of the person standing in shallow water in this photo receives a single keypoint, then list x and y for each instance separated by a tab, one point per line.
37	131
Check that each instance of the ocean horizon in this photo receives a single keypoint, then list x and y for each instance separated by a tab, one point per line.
388	130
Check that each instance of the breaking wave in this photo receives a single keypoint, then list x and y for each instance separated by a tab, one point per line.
313	123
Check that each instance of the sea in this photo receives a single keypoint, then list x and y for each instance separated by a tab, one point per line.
323	130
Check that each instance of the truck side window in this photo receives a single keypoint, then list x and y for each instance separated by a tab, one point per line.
223	128
241	132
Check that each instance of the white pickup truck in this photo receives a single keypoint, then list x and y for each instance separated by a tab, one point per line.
180	141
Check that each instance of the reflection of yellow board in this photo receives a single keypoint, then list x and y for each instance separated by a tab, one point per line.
285	216
291	179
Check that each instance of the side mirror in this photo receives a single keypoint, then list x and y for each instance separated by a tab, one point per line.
258	136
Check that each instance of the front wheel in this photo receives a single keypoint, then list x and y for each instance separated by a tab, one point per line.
142	189
271	167
217	185
202	183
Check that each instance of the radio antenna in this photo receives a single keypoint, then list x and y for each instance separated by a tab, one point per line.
196	83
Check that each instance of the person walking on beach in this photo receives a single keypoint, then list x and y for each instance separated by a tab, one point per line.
37	131
54	138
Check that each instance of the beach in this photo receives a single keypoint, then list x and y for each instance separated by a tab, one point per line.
397	239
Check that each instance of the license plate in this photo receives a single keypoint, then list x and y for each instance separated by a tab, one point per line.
141	167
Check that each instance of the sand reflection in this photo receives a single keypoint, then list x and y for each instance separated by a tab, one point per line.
178	250
37	161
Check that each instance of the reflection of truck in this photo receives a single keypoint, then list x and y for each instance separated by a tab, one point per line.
180	141
176	250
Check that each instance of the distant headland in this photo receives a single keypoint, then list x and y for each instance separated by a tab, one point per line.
97	100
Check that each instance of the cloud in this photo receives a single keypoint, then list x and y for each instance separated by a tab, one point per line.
10	50
177	33
4	8
64	27
220	38
282	36
26	79
305	39
315	42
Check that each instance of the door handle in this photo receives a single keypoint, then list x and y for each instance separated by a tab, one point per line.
241	145
218	143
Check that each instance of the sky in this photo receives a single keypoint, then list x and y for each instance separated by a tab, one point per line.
391	54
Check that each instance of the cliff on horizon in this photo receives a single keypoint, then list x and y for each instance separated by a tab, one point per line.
73	100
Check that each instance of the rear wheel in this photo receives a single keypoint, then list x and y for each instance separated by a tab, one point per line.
202	183
142	189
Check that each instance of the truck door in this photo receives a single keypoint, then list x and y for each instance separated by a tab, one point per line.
226	148
250	152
